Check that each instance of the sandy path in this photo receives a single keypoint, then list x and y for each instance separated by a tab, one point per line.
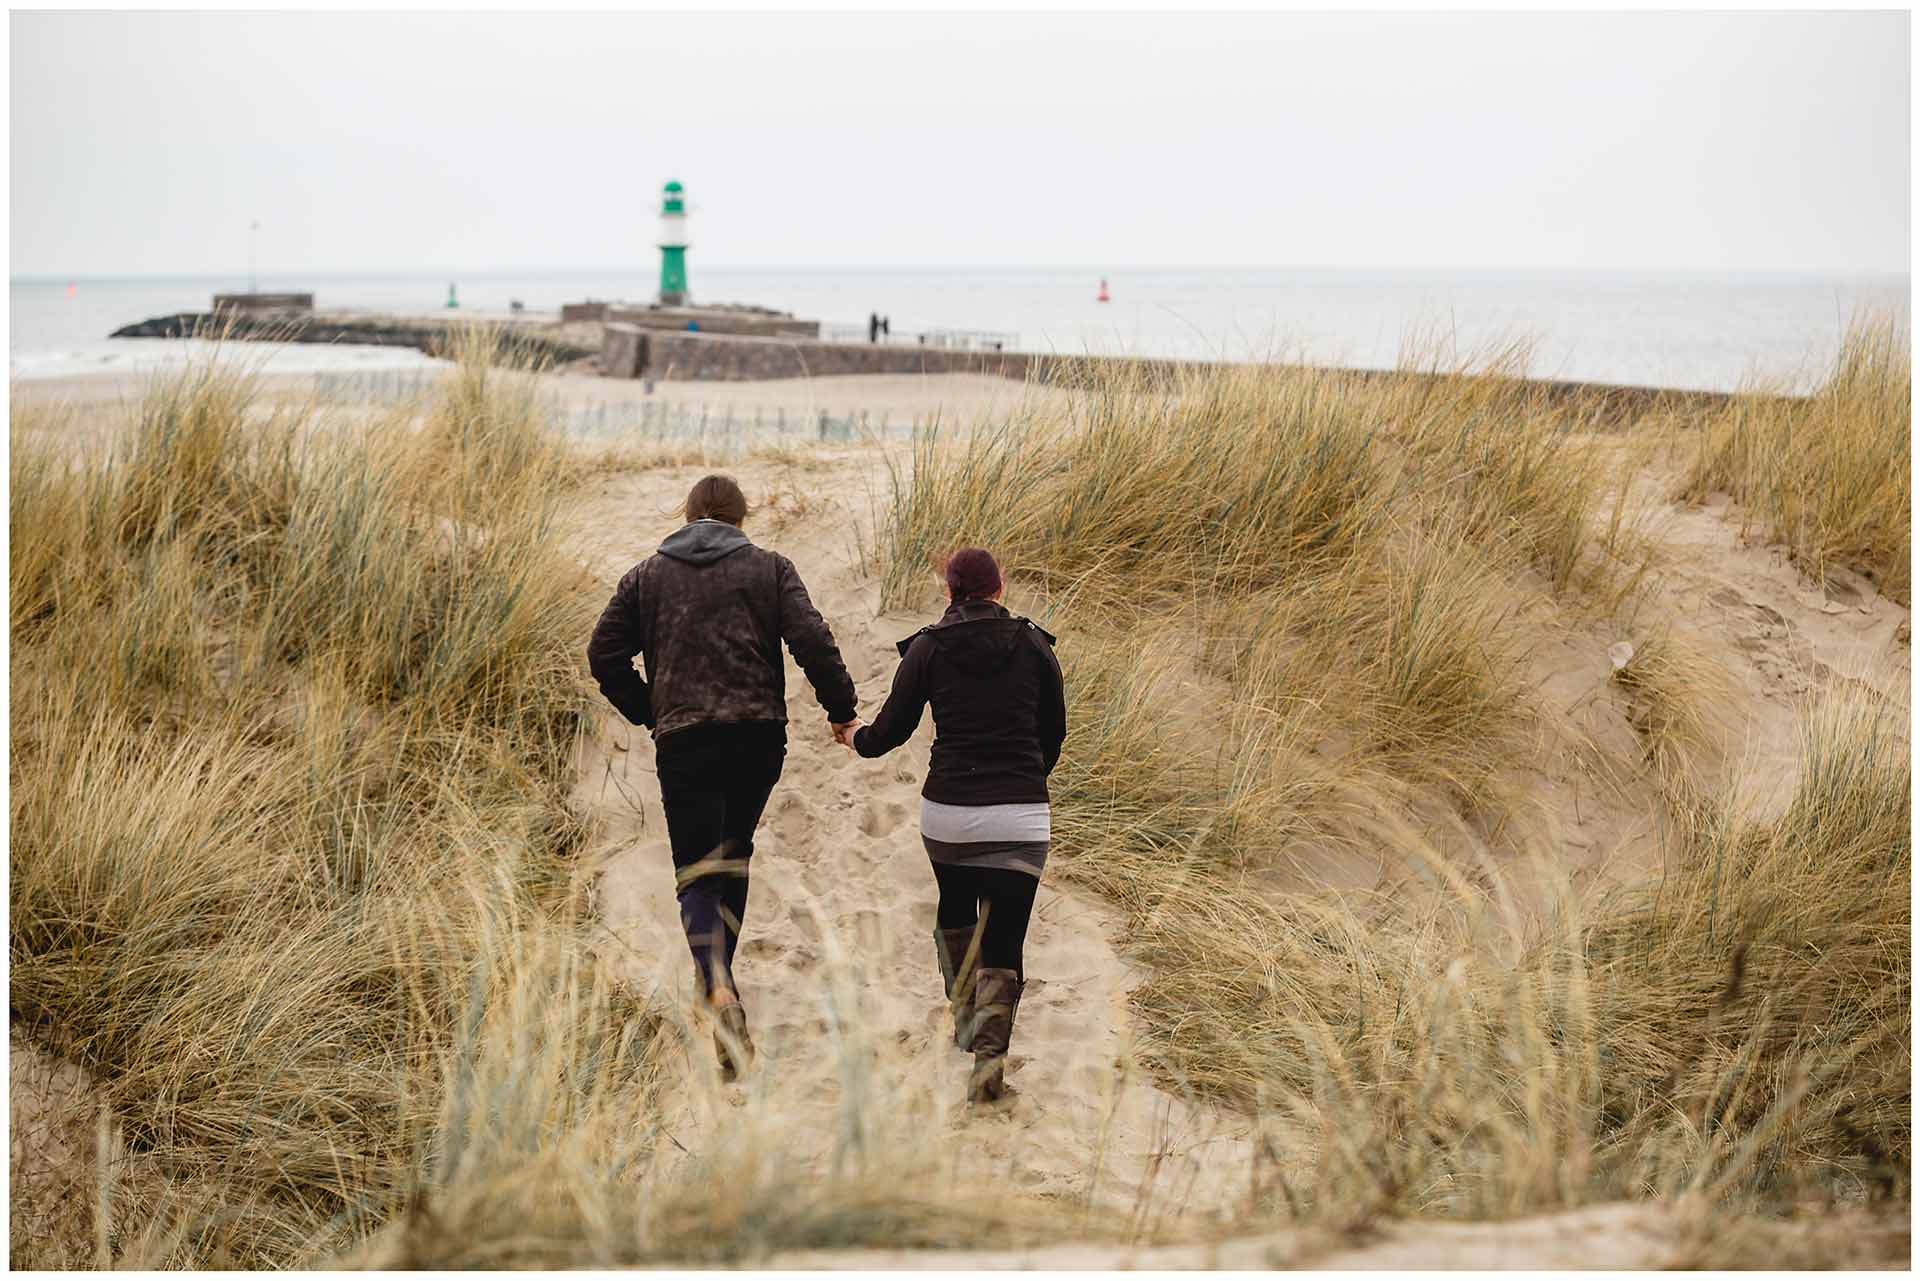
1772	636
842	891
1781	636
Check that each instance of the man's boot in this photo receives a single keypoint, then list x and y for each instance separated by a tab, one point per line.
955	949
996	1000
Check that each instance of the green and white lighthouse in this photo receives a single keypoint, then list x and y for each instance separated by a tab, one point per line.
673	246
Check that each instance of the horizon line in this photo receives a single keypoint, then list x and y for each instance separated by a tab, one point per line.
45	277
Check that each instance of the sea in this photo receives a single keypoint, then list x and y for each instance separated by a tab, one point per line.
1704	331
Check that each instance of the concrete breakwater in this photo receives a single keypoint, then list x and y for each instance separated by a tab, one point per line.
629	352
433	336
693	357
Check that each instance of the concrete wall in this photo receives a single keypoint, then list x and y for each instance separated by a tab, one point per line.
436	338
256	302
695	357
624	353
577	311
704	357
714	321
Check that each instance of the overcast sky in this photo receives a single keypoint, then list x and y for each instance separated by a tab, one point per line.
146	142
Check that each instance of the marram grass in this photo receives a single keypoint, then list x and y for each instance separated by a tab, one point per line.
295	705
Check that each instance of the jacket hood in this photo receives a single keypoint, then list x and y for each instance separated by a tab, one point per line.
980	636
704	542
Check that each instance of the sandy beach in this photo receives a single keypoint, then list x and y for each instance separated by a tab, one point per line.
837	943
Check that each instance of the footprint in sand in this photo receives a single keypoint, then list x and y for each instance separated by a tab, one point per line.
795	824
799	957
939	1028
864	928
882	818
765	901
806	922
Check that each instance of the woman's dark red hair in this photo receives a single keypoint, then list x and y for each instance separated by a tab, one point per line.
972	574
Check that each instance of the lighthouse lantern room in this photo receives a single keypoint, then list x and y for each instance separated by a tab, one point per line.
673	246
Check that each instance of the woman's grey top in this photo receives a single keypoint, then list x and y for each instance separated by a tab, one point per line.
1011	837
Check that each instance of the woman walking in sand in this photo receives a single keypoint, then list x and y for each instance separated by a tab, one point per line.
999	717
709	611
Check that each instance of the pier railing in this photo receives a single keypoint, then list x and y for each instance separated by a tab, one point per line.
940	339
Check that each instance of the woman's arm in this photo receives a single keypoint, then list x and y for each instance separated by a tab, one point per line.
1052	720
900	716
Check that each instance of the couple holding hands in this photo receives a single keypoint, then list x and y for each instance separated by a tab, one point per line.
708	613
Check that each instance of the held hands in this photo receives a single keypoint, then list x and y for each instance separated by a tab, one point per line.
843	731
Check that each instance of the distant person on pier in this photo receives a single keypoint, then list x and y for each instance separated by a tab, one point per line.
708	613
873	326
886	326
999	719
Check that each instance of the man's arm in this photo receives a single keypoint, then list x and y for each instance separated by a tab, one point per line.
617	638
901	714
810	641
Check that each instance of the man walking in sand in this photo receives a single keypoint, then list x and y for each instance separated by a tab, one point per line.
708	613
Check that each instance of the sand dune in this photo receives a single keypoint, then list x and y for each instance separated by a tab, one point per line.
842	894
837	964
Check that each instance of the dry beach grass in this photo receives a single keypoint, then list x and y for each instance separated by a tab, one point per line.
298	874
1358	570
1830	475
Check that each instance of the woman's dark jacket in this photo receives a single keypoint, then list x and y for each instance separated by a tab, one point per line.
709	610
999	709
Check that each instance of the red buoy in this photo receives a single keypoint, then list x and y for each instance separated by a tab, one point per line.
1103	291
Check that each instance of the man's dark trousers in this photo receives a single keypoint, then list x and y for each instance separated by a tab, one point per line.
714	783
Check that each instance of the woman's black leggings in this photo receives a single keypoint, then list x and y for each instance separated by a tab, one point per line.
1003	899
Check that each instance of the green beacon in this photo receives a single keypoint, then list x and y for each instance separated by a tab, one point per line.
673	246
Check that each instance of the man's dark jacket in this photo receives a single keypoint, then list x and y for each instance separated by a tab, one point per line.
708	611
1000	711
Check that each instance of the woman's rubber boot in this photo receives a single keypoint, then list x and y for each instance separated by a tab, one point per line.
955	949
996	1000
730	1039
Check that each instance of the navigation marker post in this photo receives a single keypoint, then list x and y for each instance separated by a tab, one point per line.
673	246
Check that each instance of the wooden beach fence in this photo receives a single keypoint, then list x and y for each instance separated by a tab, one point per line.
376	386
730	426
